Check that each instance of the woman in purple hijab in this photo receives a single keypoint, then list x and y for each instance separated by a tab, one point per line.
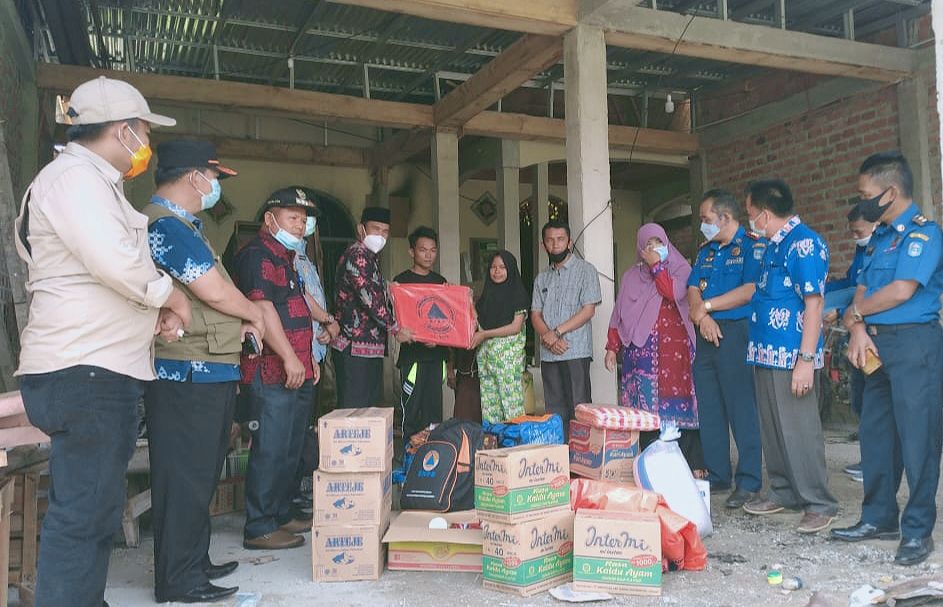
651	332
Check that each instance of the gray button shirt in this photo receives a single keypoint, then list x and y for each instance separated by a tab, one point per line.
558	295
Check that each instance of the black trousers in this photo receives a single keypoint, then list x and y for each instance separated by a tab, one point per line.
900	430
188	437
359	380
566	384
421	402
90	415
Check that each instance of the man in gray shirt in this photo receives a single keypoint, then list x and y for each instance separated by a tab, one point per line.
565	299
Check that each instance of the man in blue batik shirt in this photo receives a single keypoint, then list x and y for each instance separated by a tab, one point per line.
189	409
785	348
895	316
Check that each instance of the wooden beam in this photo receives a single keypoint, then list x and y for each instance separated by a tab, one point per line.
276	151
400	147
530	55
538	128
550	17
641	28
238	95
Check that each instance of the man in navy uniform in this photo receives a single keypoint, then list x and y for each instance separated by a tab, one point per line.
838	295
895	315
722	282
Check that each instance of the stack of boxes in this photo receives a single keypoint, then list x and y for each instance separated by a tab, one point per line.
352	494
522	496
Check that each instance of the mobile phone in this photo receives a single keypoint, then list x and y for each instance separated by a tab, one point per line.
251	345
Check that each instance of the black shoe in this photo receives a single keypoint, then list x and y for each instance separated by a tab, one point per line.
207	593
738	498
864	531
214	572
913	551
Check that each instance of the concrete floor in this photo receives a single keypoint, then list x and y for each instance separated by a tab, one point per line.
741	548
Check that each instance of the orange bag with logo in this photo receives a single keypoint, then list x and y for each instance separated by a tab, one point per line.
443	315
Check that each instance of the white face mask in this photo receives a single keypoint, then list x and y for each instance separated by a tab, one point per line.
759	232
863	242
709	230
374	242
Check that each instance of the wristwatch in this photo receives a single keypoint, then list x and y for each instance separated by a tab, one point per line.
329	320
807	356
708	306
856	314
557	333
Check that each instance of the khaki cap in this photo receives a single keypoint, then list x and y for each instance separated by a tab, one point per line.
108	100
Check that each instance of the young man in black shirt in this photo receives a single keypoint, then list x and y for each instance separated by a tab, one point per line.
422	366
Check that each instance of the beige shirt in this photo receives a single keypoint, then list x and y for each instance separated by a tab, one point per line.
95	291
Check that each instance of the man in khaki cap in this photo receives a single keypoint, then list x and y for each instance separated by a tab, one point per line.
97	301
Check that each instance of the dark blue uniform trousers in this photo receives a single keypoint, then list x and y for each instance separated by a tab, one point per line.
723	382
901	430
91	416
283	416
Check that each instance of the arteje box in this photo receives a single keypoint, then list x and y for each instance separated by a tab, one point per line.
356	440
413	546
342	553
436	314
528	558
617	552
523	483
352	498
602	454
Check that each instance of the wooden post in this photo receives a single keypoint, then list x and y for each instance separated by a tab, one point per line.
6	505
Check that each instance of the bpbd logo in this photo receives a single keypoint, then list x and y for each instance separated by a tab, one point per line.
436	313
430	462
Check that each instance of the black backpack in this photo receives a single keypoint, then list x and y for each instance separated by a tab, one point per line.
441	476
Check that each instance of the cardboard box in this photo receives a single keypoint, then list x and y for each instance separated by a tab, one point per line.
528	558
436	314
344	553
522	483
352	498
617	552
356	440
413	546
602	454
230	496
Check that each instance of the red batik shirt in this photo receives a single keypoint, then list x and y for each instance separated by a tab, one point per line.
265	271
361	305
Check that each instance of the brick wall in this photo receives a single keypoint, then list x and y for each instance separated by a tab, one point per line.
818	155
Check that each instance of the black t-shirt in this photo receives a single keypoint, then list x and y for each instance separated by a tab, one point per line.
416	352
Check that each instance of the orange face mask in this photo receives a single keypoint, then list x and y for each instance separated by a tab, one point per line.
139	158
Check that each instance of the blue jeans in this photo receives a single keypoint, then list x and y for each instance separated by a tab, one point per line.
271	480
90	414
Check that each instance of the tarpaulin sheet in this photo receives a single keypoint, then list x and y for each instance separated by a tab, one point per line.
436	314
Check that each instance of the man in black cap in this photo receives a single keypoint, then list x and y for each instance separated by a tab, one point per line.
363	311
189	409
279	384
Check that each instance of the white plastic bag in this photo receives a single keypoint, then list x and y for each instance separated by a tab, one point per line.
661	468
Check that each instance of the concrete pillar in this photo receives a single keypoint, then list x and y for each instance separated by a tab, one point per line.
914	125
588	188
937	13
446	213
509	197
541	215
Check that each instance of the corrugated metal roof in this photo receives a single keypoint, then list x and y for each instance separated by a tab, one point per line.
360	51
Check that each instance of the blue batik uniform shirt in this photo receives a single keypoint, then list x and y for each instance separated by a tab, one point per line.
182	253
722	268
793	267
908	249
